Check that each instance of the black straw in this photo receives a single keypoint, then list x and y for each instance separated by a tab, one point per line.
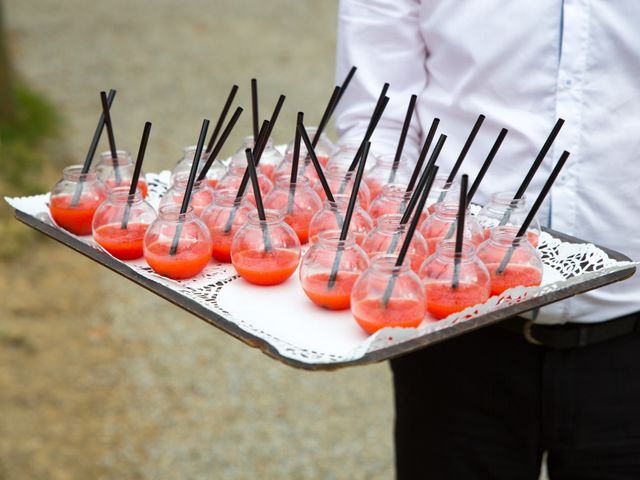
92	151
221	118
326	115
136	173
423	153
486	165
343	88
462	210
381	104
189	188
534	209
294	165
316	163
348	215
254	108
407	239
251	167
216	150
403	137
112	140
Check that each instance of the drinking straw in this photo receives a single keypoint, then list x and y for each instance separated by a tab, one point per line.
481	174
187	192
112	140
245	178
534	209
216	150
136	173
463	154
429	177
381	104
258	149
254	108
423	153
534	167
423	179
92	151
316	163
407	239
348	214
403	137
486	165
326	115
251	166
221	118
294	165
462	209
343	88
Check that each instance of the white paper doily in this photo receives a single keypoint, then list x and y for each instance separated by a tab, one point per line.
283	316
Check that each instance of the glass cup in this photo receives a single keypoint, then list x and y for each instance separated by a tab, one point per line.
437	273
344	155
440	192
192	250
387	238
233	179
324	148
331	216
341	182
382	174
524	266
443	225
388	296
107	174
392	199
214	174
201	194
318	263
501	205
265	253
123	239
223	219
299	209
269	160
75	198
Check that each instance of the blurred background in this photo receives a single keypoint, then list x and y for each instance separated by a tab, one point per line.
100	379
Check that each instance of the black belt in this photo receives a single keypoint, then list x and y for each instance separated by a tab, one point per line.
572	335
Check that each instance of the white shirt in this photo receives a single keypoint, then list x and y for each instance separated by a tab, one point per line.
523	64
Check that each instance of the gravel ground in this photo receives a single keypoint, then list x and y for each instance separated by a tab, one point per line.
101	379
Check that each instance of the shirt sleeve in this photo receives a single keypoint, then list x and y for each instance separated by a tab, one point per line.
383	39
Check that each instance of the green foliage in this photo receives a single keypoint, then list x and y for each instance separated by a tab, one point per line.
25	168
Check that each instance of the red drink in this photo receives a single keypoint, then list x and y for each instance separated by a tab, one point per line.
269	160
393	199
524	266
502	208
201	195
443	300
338	297
387	296
320	262
110	183
331	215
233	179
442	225
438	274
265	252
76	217
125	244
382	174
266	268
372	316
341	183
193	247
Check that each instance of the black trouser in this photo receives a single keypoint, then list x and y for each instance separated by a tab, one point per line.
487	405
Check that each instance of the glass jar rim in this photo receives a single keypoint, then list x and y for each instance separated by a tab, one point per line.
391	221
447	248
448	209
74	172
505	199
249	142
386	262
387	159
284	178
396	190
341	200
332	238
273	217
121	195
505	235
181	178
171	213
105	157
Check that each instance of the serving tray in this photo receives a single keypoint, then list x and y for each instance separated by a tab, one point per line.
285	325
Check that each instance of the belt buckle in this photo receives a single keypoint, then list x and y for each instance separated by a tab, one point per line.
528	335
